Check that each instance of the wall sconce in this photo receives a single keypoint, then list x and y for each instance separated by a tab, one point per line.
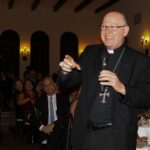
142	42
25	53
145	43
81	48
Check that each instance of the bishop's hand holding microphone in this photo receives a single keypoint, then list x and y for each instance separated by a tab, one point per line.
109	78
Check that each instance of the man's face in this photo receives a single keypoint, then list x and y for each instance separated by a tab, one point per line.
113	30
49	87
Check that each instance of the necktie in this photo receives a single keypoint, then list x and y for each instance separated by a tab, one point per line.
51	111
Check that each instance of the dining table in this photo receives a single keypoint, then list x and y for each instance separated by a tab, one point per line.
144	131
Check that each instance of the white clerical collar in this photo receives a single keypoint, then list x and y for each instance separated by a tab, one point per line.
110	51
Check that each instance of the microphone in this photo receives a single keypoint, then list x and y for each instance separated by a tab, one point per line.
104	63
104	67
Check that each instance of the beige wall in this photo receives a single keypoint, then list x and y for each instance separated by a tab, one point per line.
25	22
83	24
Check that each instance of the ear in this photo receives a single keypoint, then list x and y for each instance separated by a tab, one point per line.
126	30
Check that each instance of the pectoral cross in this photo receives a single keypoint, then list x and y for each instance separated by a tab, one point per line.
106	93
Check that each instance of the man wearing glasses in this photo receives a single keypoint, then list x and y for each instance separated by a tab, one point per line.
114	84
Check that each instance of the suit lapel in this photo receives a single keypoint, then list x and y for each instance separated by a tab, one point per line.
58	104
97	62
46	109
95	67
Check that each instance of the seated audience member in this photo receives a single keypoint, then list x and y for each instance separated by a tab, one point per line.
38	88
27	100
18	89
50	114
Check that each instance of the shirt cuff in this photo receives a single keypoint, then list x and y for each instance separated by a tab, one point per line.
40	128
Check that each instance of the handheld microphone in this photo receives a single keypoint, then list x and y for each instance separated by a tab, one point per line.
104	66
104	63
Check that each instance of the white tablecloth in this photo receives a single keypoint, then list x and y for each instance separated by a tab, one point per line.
143	148
144	131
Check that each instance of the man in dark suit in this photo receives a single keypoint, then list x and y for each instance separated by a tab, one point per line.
50	115
115	82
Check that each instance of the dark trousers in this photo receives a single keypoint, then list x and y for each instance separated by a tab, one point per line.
98	140
53	143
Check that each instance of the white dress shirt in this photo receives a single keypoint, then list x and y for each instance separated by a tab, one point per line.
53	98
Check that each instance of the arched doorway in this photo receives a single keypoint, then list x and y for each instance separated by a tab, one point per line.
69	45
40	52
9	52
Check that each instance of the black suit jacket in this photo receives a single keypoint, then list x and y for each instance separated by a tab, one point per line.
134	71
40	115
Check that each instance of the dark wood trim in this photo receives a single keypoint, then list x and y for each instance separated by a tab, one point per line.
82	5
35	4
11	4
106	5
58	5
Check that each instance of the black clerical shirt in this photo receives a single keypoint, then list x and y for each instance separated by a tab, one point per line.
101	112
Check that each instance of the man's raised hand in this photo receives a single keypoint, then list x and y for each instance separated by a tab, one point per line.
68	64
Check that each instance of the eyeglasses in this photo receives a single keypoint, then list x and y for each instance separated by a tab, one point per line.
112	28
